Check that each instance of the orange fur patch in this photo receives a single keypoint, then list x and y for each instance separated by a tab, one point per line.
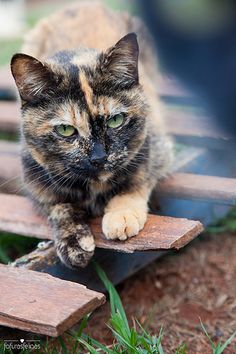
88	93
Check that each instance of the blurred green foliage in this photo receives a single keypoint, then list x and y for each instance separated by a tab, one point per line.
13	246
226	224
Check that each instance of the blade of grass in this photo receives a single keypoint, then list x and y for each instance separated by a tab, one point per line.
97	344
226	343
63	345
206	333
88	346
83	324
114	296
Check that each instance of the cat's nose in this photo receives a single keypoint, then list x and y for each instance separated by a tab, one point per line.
98	155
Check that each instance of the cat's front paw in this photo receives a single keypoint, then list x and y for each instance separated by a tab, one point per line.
76	252
123	224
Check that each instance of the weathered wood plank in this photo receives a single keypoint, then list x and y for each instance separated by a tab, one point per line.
10	163
9	116
190	123
208	188
160	232
40	303
118	266
6	79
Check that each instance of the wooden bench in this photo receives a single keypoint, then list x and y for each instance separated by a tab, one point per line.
201	181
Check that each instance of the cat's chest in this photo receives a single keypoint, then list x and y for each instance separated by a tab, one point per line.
94	197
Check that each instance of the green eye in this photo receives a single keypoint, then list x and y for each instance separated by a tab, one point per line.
65	130
115	121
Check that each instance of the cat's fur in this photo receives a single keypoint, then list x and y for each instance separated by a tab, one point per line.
83	88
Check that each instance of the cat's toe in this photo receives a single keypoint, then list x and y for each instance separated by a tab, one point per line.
123	224
74	252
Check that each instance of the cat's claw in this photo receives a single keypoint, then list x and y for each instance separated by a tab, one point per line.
123	224
75	253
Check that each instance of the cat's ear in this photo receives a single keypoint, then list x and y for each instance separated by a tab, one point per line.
32	77
121	61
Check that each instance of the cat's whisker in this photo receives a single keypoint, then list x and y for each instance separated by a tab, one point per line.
30	183
9	181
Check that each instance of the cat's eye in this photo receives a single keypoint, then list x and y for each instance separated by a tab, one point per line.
65	130
115	121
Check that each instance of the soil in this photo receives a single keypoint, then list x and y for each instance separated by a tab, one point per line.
177	291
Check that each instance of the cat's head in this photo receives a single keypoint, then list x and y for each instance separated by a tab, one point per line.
83	112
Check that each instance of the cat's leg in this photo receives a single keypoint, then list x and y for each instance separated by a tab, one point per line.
73	239
126	214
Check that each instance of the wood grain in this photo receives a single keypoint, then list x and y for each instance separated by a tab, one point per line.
208	188
160	232
6	79
10	171
40	303
9	116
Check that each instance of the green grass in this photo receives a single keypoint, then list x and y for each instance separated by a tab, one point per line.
10	136
219	347
8	48
12	46
14	246
129	6
225	224
126	339
135	339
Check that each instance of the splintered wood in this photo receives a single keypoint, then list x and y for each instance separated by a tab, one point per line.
160	232
40	303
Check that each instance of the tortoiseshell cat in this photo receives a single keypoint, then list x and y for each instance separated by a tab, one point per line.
92	144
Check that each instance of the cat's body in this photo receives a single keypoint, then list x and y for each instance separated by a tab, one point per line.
116	150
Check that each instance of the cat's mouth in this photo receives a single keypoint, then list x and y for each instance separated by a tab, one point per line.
101	175
84	172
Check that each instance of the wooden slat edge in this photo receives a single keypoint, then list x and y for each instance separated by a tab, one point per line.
200	187
39	322
160	232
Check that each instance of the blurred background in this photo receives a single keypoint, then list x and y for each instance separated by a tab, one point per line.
196	42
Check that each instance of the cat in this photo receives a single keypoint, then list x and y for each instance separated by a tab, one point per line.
93	141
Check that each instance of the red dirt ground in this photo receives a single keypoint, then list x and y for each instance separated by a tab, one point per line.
197	282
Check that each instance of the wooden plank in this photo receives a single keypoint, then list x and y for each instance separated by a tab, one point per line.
35	302
209	188
118	266
9	116
191	123
160	232
6	79
196	129
10	163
